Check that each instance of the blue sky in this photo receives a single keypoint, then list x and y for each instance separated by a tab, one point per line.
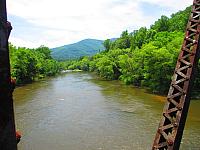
60	22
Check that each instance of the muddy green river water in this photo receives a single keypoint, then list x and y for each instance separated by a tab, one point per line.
77	111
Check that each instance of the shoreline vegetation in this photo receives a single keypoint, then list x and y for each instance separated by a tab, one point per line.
144	58
28	65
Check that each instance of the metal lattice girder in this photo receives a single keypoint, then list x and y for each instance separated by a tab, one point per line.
7	124
170	130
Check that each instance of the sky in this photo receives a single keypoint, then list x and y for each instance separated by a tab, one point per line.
56	23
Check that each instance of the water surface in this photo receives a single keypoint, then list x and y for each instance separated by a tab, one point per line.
75	111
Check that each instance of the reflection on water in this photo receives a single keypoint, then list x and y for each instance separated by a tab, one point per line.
75	111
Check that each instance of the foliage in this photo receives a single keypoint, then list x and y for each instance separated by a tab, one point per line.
123	42
177	22
44	51
141	37
107	45
144	57
29	64
161	25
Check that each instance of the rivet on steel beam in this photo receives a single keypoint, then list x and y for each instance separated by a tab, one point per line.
170	142
179	107
187	77
155	148
175	124
190	65
194	41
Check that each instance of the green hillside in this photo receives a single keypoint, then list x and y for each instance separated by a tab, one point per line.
87	47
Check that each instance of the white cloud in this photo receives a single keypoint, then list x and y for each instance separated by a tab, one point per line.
22	43
67	21
173	4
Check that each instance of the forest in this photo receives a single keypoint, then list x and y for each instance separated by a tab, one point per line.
144	57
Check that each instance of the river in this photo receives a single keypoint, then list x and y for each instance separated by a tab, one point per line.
77	111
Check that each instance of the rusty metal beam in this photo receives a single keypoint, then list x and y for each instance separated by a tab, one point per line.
170	130
7	124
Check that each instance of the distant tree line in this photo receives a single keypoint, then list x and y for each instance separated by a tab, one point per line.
144	57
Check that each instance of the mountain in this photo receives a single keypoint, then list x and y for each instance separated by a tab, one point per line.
85	47
113	39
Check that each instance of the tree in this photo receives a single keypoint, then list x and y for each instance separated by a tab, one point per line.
24	65
178	21
44	51
107	45
162	24
123	42
105	67
139	38
28	64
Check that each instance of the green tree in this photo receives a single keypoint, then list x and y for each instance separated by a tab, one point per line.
179	20
105	67
29	64
24	65
107	45
162	24
123	42
44	51
139	38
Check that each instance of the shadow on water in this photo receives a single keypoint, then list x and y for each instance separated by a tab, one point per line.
76	111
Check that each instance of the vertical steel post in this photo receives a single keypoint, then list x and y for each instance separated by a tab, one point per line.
170	130
7	124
